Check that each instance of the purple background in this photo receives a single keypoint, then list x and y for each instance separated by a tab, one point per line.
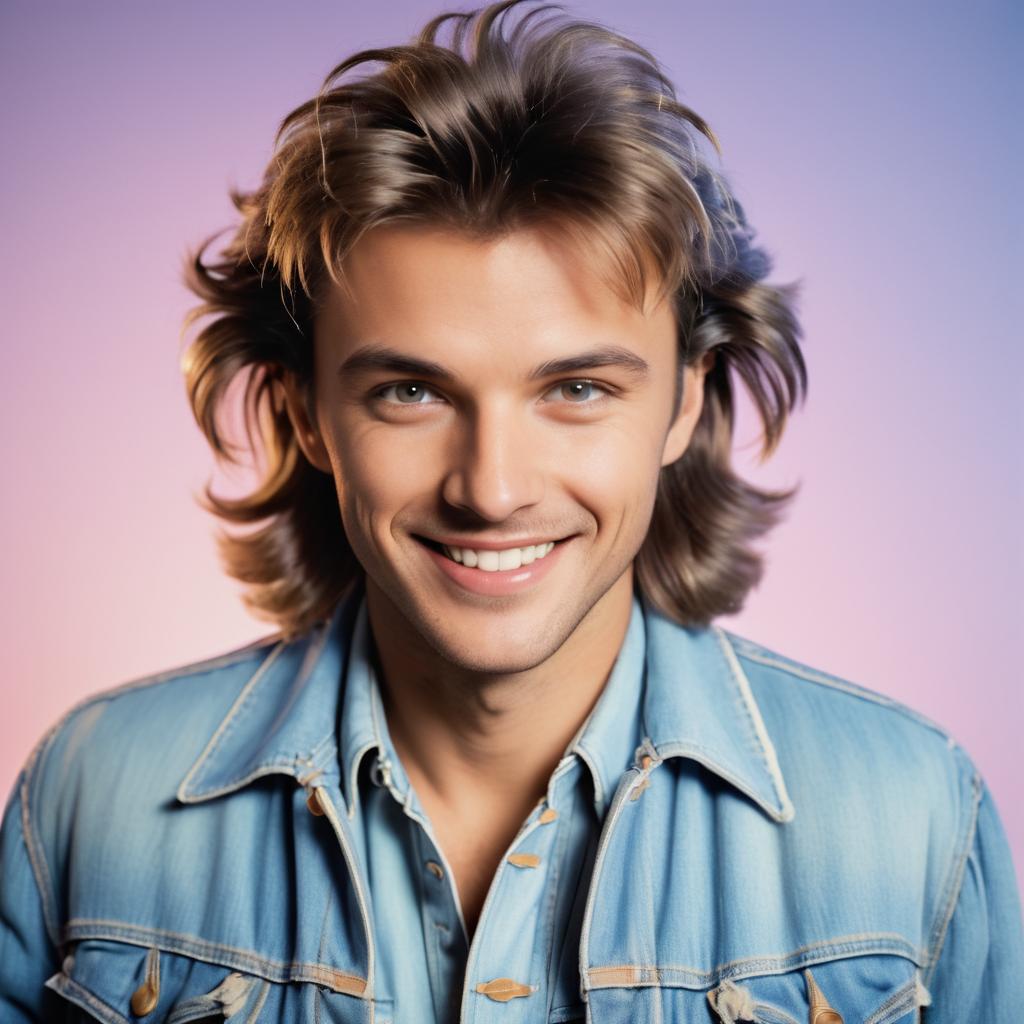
876	148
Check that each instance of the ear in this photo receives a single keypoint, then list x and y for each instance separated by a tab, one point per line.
681	429
308	436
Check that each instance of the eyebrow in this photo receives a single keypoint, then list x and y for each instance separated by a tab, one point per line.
374	357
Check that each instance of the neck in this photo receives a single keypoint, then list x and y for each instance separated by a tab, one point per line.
465	736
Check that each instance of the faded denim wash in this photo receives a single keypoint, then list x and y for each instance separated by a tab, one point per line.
530	925
785	846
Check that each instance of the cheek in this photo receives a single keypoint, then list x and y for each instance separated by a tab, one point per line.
377	472
615	470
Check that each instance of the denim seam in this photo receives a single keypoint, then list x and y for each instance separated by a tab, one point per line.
153	968
937	934
903	999
37	861
75	993
323	751
36	857
196	668
361	892
225	728
277	766
241	706
81	929
841	948
260	1000
769	1013
484	921
557	847
625	786
767	751
710	760
838	683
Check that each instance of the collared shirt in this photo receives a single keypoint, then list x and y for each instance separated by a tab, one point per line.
786	846
522	964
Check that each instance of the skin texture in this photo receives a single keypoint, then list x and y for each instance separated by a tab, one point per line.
483	694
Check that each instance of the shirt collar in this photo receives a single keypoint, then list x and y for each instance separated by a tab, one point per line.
284	719
606	741
696	703
699	705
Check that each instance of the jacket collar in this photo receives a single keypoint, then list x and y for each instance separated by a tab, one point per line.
284	720
697	704
605	741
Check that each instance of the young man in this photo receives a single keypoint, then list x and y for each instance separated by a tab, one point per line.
498	763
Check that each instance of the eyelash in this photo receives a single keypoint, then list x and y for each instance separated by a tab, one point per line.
378	394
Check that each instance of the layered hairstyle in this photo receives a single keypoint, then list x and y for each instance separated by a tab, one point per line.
540	120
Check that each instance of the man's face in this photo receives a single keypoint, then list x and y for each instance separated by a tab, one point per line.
501	450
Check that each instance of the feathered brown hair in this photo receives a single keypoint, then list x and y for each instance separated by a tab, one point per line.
556	120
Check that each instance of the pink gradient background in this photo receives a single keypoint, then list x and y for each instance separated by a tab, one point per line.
874	149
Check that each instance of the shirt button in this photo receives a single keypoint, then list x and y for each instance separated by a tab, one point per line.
145	998
435	869
524	860
314	805
501	990
548	815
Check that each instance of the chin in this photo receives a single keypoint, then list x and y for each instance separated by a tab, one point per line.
501	651
500	663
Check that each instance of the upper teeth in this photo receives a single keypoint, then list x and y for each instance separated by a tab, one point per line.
498	561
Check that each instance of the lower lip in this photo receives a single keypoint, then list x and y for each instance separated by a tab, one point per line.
509	581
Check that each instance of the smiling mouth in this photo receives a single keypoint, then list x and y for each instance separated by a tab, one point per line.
488	560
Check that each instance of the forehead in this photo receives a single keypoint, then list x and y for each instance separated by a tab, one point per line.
430	285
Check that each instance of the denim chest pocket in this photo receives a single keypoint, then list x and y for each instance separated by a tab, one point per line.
866	989
122	983
117	982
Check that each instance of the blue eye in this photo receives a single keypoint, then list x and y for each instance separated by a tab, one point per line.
415	388
588	384
411	392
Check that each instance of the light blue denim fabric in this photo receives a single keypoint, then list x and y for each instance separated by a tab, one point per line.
783	841
529	928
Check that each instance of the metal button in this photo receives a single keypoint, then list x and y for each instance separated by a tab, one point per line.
145	998
435	869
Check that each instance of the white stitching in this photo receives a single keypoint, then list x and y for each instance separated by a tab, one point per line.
767	747
945	914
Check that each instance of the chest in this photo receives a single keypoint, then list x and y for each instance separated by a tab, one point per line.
473	851
688	905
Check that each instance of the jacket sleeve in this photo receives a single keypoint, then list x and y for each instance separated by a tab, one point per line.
27	954
979	974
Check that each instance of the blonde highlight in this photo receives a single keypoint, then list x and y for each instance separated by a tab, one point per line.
555	123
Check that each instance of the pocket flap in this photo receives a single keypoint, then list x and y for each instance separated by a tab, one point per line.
121	983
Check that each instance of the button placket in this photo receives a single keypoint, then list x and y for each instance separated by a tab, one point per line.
440	917
503	973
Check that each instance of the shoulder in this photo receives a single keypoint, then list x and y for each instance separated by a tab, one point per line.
117	754
150	724
885	798
198	684
805	703
858	759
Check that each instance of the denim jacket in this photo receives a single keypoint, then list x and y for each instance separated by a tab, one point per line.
787	847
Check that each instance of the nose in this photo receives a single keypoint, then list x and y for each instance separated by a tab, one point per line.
495	466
